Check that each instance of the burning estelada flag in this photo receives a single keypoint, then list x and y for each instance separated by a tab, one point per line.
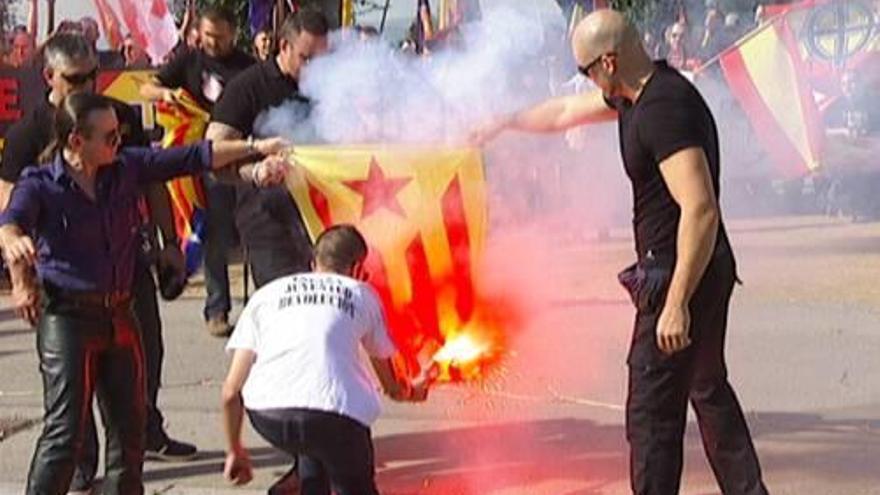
185	123
423	213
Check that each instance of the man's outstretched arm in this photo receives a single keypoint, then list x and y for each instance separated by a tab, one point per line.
553	115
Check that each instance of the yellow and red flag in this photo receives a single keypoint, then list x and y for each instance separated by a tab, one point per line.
185	123
423	213
766	75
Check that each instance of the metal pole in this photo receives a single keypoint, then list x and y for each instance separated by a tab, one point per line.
384	16
50	17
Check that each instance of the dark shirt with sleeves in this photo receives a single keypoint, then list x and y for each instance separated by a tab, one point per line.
669	116
202	76
265	217
85	245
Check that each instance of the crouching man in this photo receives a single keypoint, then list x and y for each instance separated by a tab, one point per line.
297	372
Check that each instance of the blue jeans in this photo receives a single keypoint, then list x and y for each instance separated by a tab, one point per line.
219	239
327	445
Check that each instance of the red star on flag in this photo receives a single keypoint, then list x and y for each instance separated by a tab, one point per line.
379	191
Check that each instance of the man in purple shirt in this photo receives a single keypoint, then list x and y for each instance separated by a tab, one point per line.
76	221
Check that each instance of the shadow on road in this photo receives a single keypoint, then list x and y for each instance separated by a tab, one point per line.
591	456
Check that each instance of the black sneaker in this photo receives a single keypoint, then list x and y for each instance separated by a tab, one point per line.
172	451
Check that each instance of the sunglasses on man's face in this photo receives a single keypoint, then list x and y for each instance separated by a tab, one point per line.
585	69
80	79
112	138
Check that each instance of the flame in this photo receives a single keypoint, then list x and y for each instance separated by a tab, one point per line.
469	352
461	349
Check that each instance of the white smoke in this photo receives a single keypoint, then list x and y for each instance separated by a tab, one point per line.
369	92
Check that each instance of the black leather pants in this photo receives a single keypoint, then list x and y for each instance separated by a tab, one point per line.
146	311
85	349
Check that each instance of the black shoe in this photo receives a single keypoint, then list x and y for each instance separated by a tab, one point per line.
171	451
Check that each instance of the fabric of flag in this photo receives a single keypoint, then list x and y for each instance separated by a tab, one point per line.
260	14
423	213
151	25
766	75
109	24
185	123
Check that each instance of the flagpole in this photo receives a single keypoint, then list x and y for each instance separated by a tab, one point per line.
384	16
277	19
50	18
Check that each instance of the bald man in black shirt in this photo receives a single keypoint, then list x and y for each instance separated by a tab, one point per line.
684	277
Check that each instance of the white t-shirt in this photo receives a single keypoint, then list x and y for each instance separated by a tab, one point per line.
306	330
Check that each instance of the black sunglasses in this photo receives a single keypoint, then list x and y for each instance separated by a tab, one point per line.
585	69
80	79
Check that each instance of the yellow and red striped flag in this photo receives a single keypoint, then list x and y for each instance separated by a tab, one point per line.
766	75
423	213
185	123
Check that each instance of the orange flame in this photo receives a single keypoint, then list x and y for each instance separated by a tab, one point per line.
470	352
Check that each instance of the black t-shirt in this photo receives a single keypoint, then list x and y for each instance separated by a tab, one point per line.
265	217
669	116
33	133
202	76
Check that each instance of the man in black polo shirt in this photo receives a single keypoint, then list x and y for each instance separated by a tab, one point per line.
684	278
71	66
204	73
268	220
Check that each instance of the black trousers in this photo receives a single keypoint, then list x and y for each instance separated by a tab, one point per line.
82	350
660	387
149	325
327	445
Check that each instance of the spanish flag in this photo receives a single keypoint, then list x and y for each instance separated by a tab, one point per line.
423	213
766	75
185	123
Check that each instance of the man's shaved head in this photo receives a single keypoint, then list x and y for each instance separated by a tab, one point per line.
609	50
603	31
